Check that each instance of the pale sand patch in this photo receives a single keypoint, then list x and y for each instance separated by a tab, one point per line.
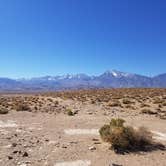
157	135
74	163
9	123
81	131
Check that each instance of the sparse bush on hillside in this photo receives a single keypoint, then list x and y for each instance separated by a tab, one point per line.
125	138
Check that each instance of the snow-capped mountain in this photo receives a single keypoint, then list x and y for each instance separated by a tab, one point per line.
109	79
118	74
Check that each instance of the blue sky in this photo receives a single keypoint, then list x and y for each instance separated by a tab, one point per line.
50	37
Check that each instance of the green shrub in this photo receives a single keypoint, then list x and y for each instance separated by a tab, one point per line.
125	138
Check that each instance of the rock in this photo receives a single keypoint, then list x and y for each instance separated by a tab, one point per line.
10	157
97	143
14	144
25	154
95	139
64	146
92	148
114	164
16	151
23	164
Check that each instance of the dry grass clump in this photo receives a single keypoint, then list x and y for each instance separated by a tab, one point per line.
114	104
69	112
127	101
157	100
148	111
144	105
3	110
125	138
164	103
22	107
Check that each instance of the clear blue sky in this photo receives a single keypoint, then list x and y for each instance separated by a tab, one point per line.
50	37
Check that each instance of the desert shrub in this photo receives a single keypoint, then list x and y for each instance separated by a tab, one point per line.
125	138
127	101
164	104
148	111
128	106
157	100
69	112
56	102
114	104
22	107
160	106
3	110
144	105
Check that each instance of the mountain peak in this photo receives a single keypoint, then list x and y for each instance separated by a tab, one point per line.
117	73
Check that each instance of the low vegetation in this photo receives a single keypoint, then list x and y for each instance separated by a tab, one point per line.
125	138
22	107
3	110
70	112
148	111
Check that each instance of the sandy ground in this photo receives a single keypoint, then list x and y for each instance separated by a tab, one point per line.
48	136
40	139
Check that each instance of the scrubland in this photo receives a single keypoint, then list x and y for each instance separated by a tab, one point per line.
101	127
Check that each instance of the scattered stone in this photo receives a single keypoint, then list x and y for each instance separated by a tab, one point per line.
94	139
16	151
97	143
64	146
92	148
10	157
47	140
14	144
115	164
25	154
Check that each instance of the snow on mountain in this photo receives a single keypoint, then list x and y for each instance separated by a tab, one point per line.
109	79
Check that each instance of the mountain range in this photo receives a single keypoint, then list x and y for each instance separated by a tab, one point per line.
109	79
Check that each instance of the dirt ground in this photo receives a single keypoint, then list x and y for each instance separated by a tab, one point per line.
38	138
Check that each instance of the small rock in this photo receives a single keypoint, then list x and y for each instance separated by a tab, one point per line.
92	148
115	164
25	154
47	140
10	157
94	139
14	144
97	143
64	146
16	151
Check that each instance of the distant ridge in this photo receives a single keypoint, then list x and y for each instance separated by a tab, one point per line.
109	79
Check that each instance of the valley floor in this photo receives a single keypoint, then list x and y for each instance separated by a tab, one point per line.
46	138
